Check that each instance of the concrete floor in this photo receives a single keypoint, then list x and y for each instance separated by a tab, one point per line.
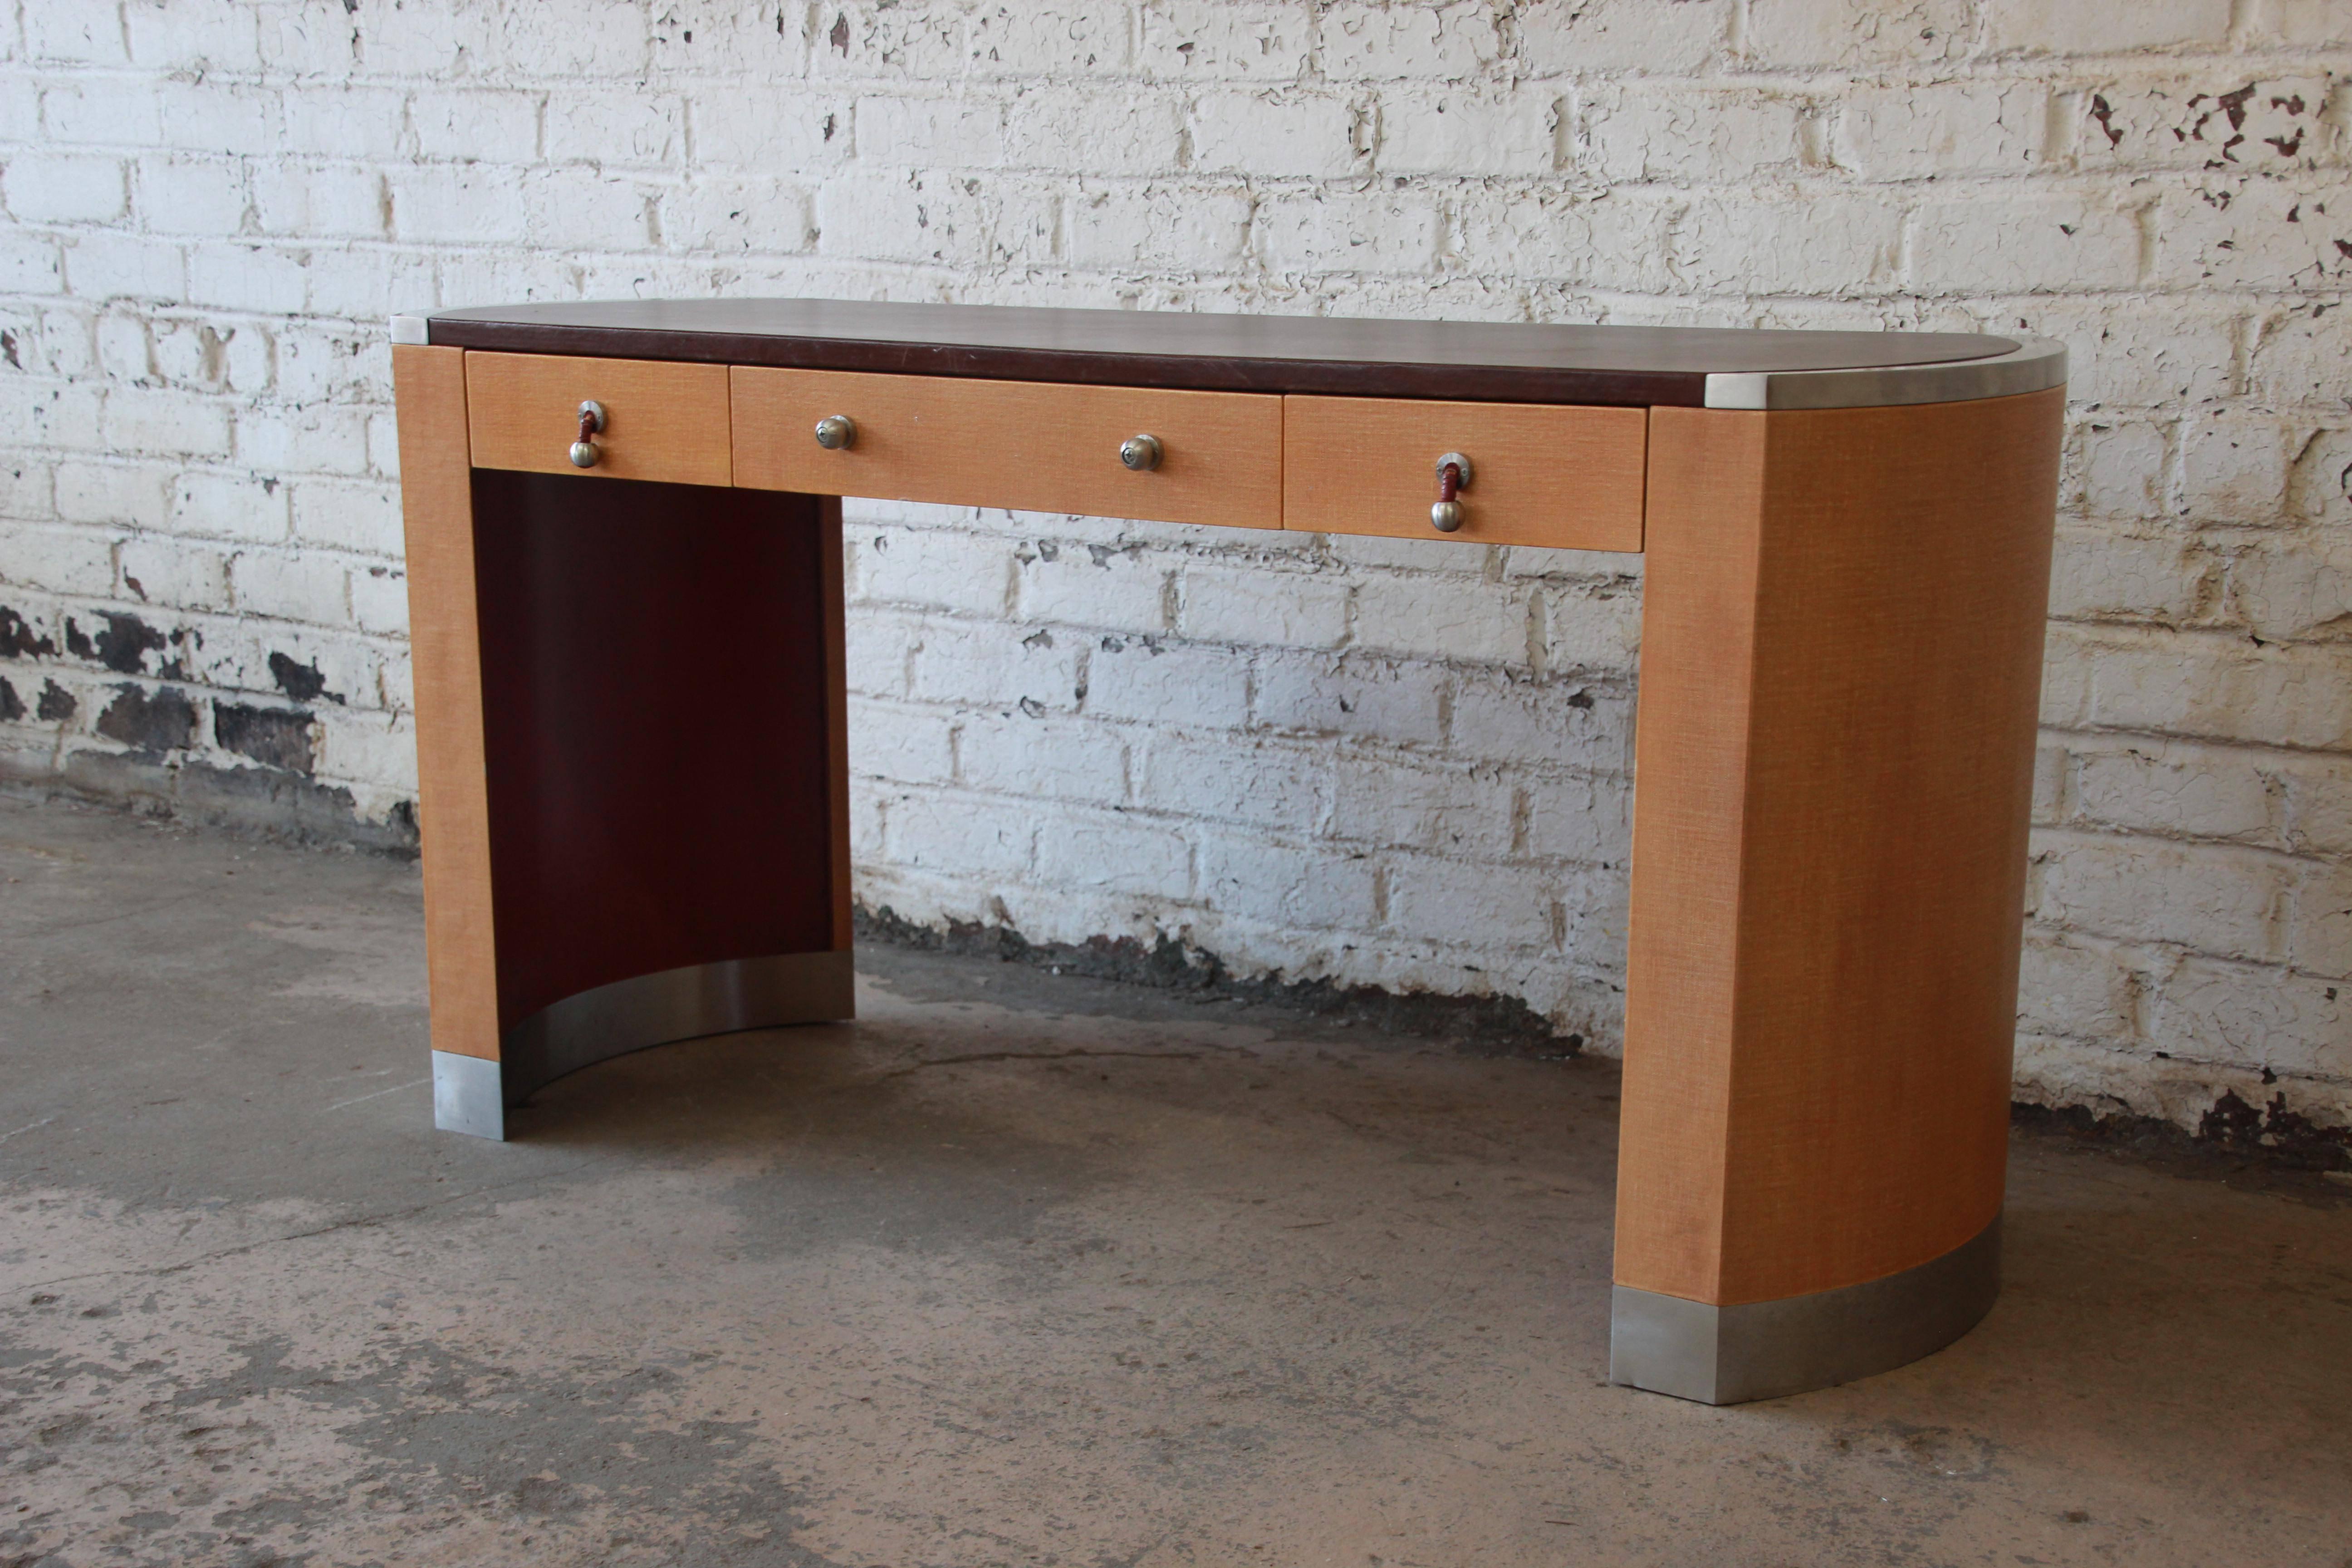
1016	1269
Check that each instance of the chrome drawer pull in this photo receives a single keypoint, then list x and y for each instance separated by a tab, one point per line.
1141	453
585	452
1452	476
836	432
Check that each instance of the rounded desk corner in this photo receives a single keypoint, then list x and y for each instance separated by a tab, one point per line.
2036	364
1768	1350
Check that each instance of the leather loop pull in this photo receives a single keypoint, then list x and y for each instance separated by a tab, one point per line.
586	454
1452	474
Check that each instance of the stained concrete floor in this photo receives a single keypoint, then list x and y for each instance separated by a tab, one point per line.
1015	1270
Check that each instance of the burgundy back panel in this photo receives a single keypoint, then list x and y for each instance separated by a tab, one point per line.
654	679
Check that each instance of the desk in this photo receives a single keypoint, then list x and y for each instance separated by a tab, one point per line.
1848	541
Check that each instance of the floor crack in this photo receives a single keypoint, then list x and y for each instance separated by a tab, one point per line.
1038	1057
158	1271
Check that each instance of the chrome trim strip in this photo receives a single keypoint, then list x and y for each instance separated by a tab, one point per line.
410	330
471	1095
1763	1350
2036	364
676	1004
466	1095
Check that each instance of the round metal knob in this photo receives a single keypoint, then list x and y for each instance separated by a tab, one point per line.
1445	516
585	452
1141	453
836	432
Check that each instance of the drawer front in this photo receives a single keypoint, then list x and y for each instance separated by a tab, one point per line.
661	421
1540	474
1036	445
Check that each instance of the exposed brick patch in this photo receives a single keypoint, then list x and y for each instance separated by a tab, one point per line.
260	803
2271	1149
2275	1133
57	704
1477	1026
162	720
275	737
285	807
12	706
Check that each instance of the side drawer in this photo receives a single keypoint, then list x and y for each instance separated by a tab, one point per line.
1539	473
1037	446
662	421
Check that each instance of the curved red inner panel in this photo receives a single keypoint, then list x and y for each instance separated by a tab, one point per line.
653	686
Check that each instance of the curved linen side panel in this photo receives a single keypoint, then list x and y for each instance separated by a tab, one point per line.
1841	673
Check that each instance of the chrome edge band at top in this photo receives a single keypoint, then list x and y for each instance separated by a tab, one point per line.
2036	364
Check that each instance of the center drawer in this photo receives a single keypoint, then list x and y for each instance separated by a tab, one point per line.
1033	446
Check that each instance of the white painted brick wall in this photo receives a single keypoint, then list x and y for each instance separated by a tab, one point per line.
1401	762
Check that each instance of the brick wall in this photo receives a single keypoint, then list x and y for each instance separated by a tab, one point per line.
1396	763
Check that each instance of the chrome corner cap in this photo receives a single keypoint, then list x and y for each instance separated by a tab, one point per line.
2036	364
410	330
1763	1350
469	1096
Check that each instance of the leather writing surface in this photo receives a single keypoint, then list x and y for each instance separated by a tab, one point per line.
1474	360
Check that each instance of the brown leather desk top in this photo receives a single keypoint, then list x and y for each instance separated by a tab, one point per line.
1477	360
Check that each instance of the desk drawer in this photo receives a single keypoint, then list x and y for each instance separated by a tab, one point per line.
1037	446
661	421
1540	474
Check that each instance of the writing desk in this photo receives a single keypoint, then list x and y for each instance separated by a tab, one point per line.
1848	537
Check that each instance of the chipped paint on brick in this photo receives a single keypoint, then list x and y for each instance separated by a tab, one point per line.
18	640
301	681
124	643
